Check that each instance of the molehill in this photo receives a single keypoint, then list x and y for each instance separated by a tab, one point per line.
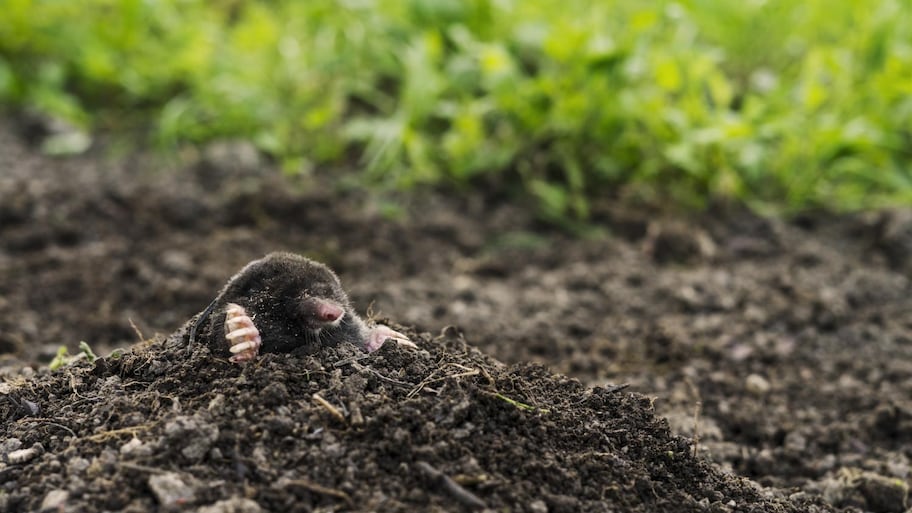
442	428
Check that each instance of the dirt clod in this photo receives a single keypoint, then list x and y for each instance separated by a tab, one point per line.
171	489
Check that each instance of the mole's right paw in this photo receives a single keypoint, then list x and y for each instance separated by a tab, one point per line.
241	333
380	333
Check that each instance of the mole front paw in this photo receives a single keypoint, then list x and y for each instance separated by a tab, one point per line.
380	333
242	335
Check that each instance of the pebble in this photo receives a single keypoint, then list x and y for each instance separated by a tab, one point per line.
77	466
177	261
136	447
25	455
232	505
10	445
538	506
232	156
171	489
795	441
757	384
217	404
55	500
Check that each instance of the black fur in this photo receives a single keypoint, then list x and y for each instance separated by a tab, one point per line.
275	291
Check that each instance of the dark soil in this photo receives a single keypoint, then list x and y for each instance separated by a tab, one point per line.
784	344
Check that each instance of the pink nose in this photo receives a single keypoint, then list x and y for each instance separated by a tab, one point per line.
328	312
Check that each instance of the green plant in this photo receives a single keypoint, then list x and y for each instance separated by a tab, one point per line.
63	358
784	105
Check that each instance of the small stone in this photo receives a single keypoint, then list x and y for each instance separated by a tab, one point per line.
177	261
559	503
538	506
232	156
10	445
232	505
25	455
135	447
757	384
31	407
171	489
55	500
72	142
217	403
795	441
77	466
102	464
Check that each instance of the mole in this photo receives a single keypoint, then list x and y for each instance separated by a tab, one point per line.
286	302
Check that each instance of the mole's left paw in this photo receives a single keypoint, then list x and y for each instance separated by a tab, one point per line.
241	333
380	333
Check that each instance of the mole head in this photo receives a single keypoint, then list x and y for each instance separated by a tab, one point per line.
311	294
319	306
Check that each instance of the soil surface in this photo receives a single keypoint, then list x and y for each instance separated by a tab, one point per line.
719	361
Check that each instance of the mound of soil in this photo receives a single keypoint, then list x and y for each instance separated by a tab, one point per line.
443	428
783	347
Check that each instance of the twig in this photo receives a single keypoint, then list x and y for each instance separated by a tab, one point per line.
49	423
320	489
696	433
487	375
358	367
200	318
617	388
349	361
517	404
136	329
329	407
99	437
467	371
473	372
451	487
697	407
73	382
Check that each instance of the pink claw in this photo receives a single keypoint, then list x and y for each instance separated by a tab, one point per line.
380	333
242	334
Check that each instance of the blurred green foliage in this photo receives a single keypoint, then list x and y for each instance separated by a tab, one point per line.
779	103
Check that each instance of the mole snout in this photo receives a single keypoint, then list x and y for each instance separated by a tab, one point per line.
318	313
330	313
285	302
